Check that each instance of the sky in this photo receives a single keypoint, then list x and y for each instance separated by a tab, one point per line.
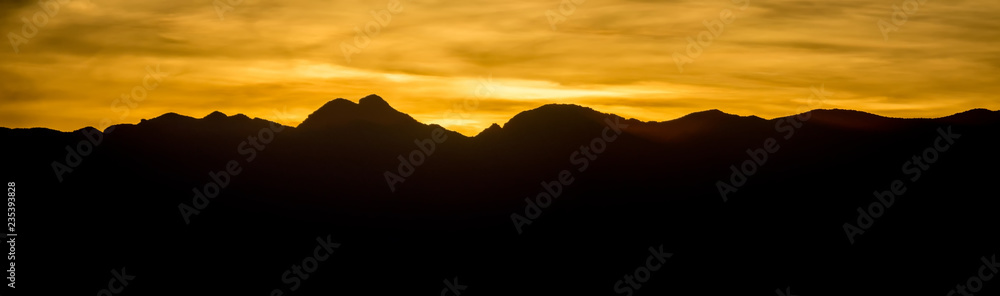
67	64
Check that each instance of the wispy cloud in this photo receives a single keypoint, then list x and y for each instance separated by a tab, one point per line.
612	55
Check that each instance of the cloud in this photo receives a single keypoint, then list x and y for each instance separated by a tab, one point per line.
614	56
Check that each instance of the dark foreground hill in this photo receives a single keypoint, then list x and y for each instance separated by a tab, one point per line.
562	200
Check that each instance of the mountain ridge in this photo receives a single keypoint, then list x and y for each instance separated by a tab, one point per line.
373	109
582	187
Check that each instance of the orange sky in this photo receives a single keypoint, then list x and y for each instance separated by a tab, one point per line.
498	57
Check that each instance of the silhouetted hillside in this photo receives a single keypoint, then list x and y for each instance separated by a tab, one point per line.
413	204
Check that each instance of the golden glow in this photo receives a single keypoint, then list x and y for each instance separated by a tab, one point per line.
434	57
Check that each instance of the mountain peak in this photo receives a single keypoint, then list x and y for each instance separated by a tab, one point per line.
707	114
215	115
492	130
167	117
558	118
336	103
370	109
974	116
553	112
373	101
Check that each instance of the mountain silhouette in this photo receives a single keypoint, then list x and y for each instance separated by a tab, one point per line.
371	110
413	204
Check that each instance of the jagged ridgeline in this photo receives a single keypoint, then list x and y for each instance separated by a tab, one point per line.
224	204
